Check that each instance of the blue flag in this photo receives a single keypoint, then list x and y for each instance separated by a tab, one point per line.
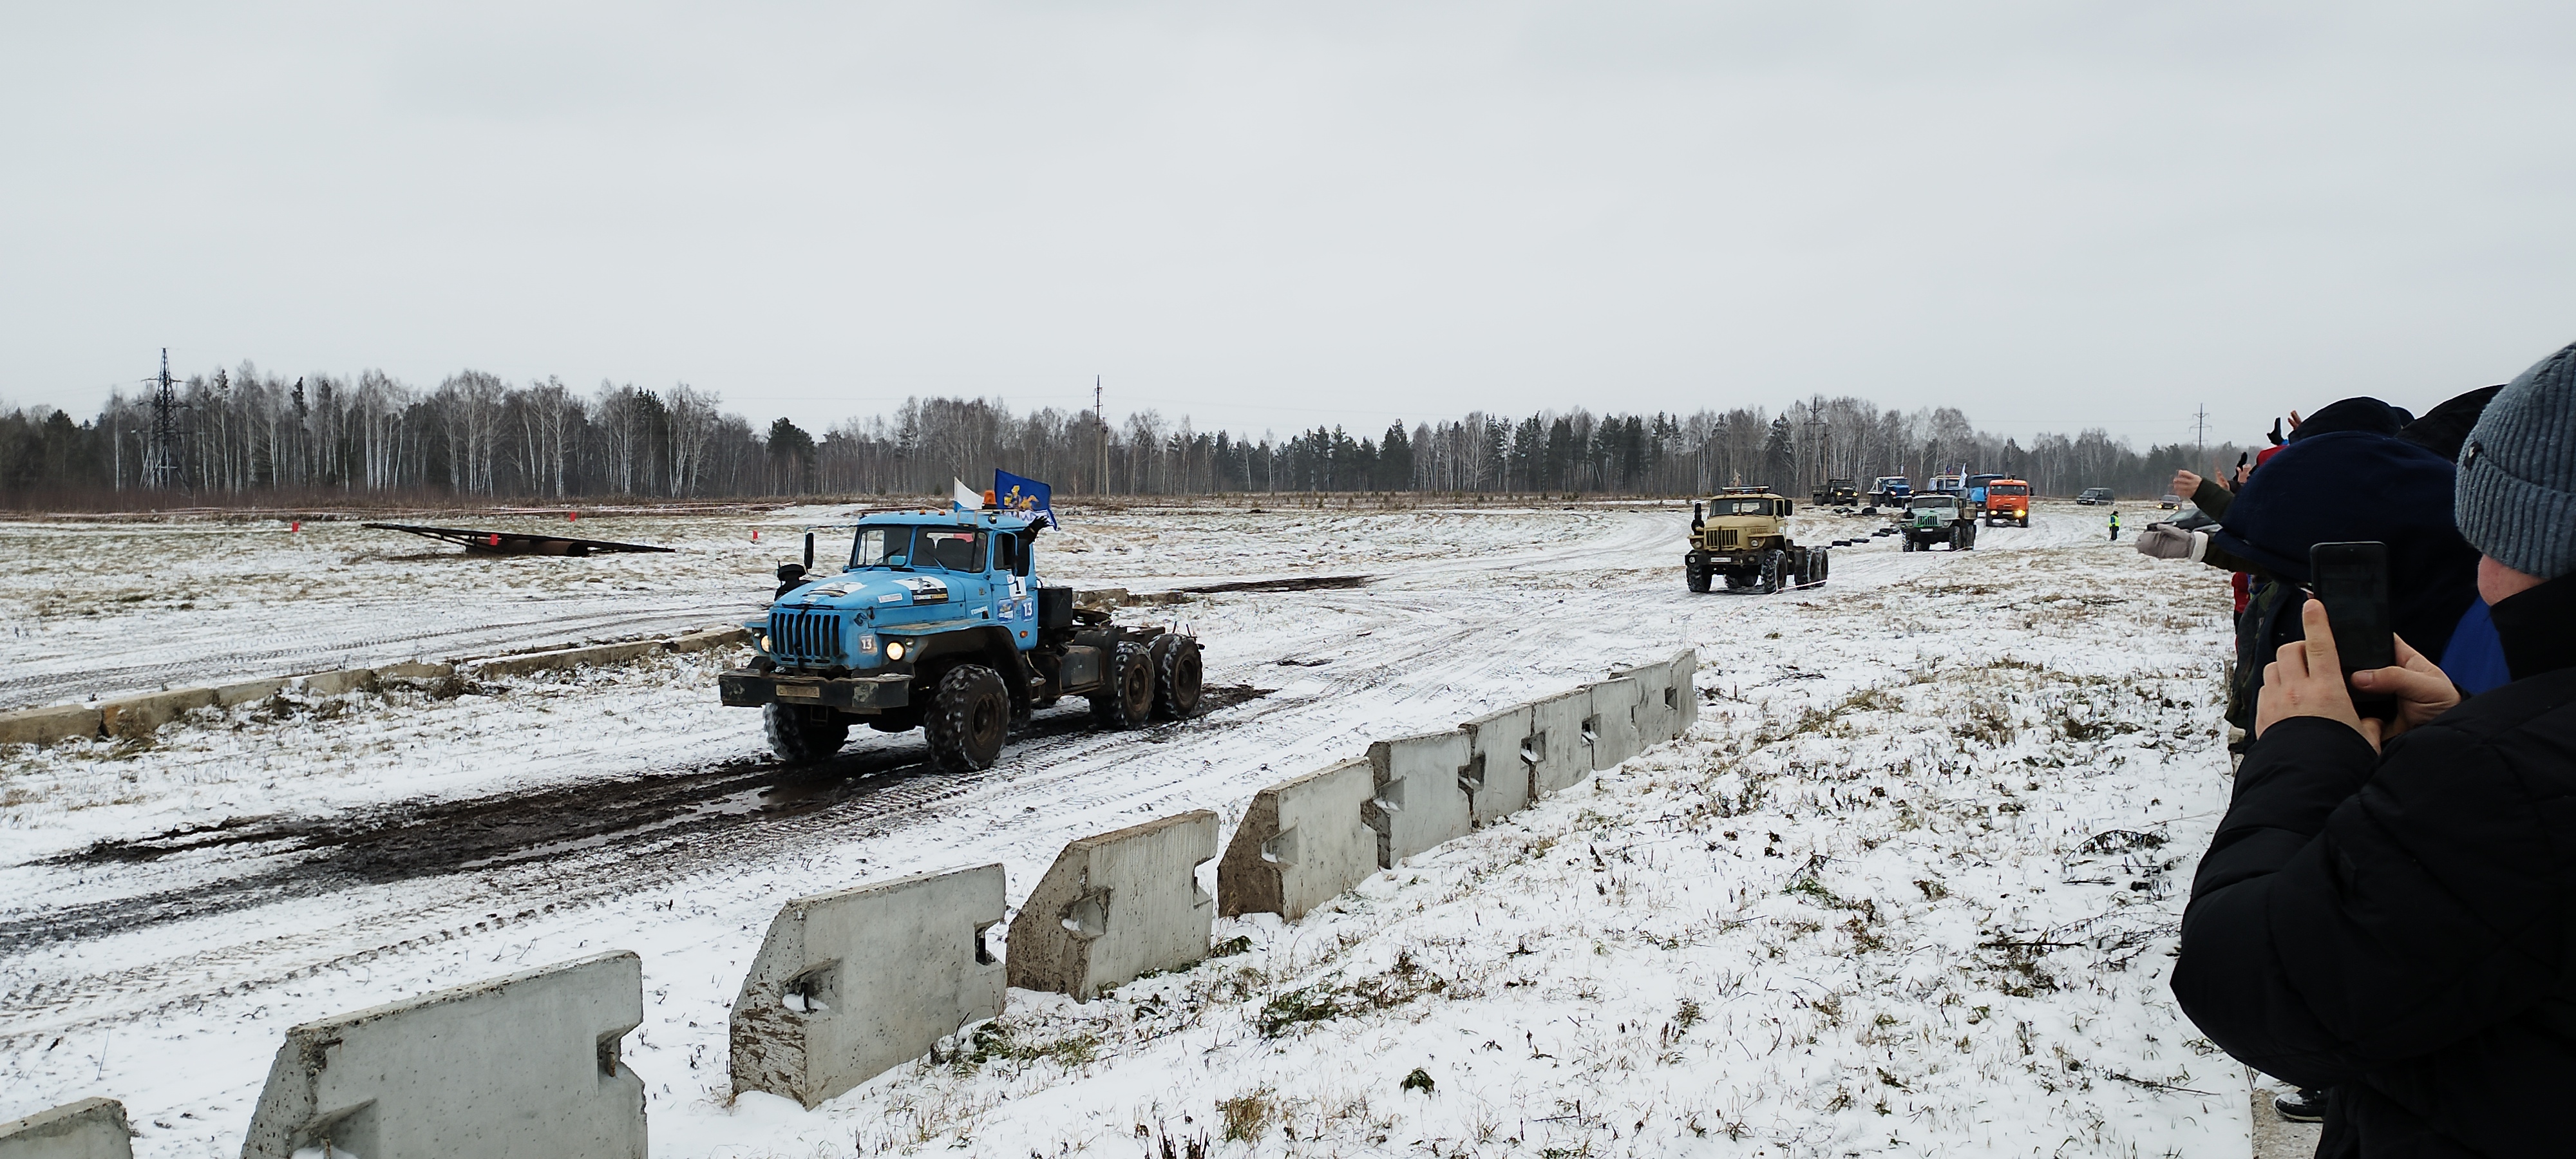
1027	496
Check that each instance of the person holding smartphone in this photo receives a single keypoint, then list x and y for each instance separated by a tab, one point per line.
2388	909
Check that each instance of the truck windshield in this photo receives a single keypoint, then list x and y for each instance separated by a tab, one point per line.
2007	489
1939	503
1740	507
941	548
879	546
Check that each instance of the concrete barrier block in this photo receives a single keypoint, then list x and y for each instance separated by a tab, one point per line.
48	725
1421	800
228	695
1612	727
523	1066
1301	844
336	683
88	1129
563	658
705	638
415	670
1116	906
1497	776
1686	689
1655	716
1559	755
137	715
853	983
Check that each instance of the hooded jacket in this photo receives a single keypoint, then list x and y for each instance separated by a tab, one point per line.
2341	486
2398	927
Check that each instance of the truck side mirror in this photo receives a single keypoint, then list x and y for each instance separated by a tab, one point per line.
1696	518
789	573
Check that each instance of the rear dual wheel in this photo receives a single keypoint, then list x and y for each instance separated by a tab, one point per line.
1176	676
1126	699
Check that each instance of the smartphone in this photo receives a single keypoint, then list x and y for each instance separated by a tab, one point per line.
2352	580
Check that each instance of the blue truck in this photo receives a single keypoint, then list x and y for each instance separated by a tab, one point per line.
941	622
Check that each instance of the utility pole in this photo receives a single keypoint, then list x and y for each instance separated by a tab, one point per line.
161	462
2200	435
1102	417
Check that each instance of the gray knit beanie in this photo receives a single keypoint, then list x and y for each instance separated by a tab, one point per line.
2516	499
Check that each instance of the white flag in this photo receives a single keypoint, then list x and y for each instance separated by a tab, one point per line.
967	497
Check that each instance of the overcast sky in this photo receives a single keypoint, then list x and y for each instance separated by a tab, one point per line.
2049	215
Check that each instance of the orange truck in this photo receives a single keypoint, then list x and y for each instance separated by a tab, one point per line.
2007	500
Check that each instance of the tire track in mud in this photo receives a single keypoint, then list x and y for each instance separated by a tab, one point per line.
487	856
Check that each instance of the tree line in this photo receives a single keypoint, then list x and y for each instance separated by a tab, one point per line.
244	436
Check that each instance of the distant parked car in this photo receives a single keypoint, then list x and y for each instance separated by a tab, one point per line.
2169	502
2094	495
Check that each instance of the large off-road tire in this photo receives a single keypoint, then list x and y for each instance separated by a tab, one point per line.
1698	577
1820	564
798	740
1774	563
2025	521
1736	581
1176	677
1126	698
969	717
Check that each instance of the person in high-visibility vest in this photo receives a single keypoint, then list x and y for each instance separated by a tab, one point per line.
2115	524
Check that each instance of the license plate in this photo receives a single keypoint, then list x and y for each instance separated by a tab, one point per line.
800	692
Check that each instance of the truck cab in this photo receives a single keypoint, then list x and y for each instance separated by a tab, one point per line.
1934	518
1890	490
1741	535
940	621
2008	501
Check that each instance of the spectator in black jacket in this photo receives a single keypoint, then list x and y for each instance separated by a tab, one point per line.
2388	910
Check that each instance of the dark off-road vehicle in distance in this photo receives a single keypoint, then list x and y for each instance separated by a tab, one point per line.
1934	519
1742	534
1838	493
939	623
2094	497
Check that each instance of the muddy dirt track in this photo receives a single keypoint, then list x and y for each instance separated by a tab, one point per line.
280	858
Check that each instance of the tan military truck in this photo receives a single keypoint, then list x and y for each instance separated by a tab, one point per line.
1742	534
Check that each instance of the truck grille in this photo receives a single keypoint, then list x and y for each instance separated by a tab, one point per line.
1725	539
799	637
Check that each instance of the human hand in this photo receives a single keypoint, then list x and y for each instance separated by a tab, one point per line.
2306	679
2184	483
2165	541
2421	689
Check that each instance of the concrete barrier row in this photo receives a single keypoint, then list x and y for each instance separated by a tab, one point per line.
140	715
1301	843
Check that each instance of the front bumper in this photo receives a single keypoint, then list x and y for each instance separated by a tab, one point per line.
743	688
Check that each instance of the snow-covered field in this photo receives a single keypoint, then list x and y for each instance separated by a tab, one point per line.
1910	884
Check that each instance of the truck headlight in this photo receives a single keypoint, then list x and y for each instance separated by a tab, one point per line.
764	641
895	649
